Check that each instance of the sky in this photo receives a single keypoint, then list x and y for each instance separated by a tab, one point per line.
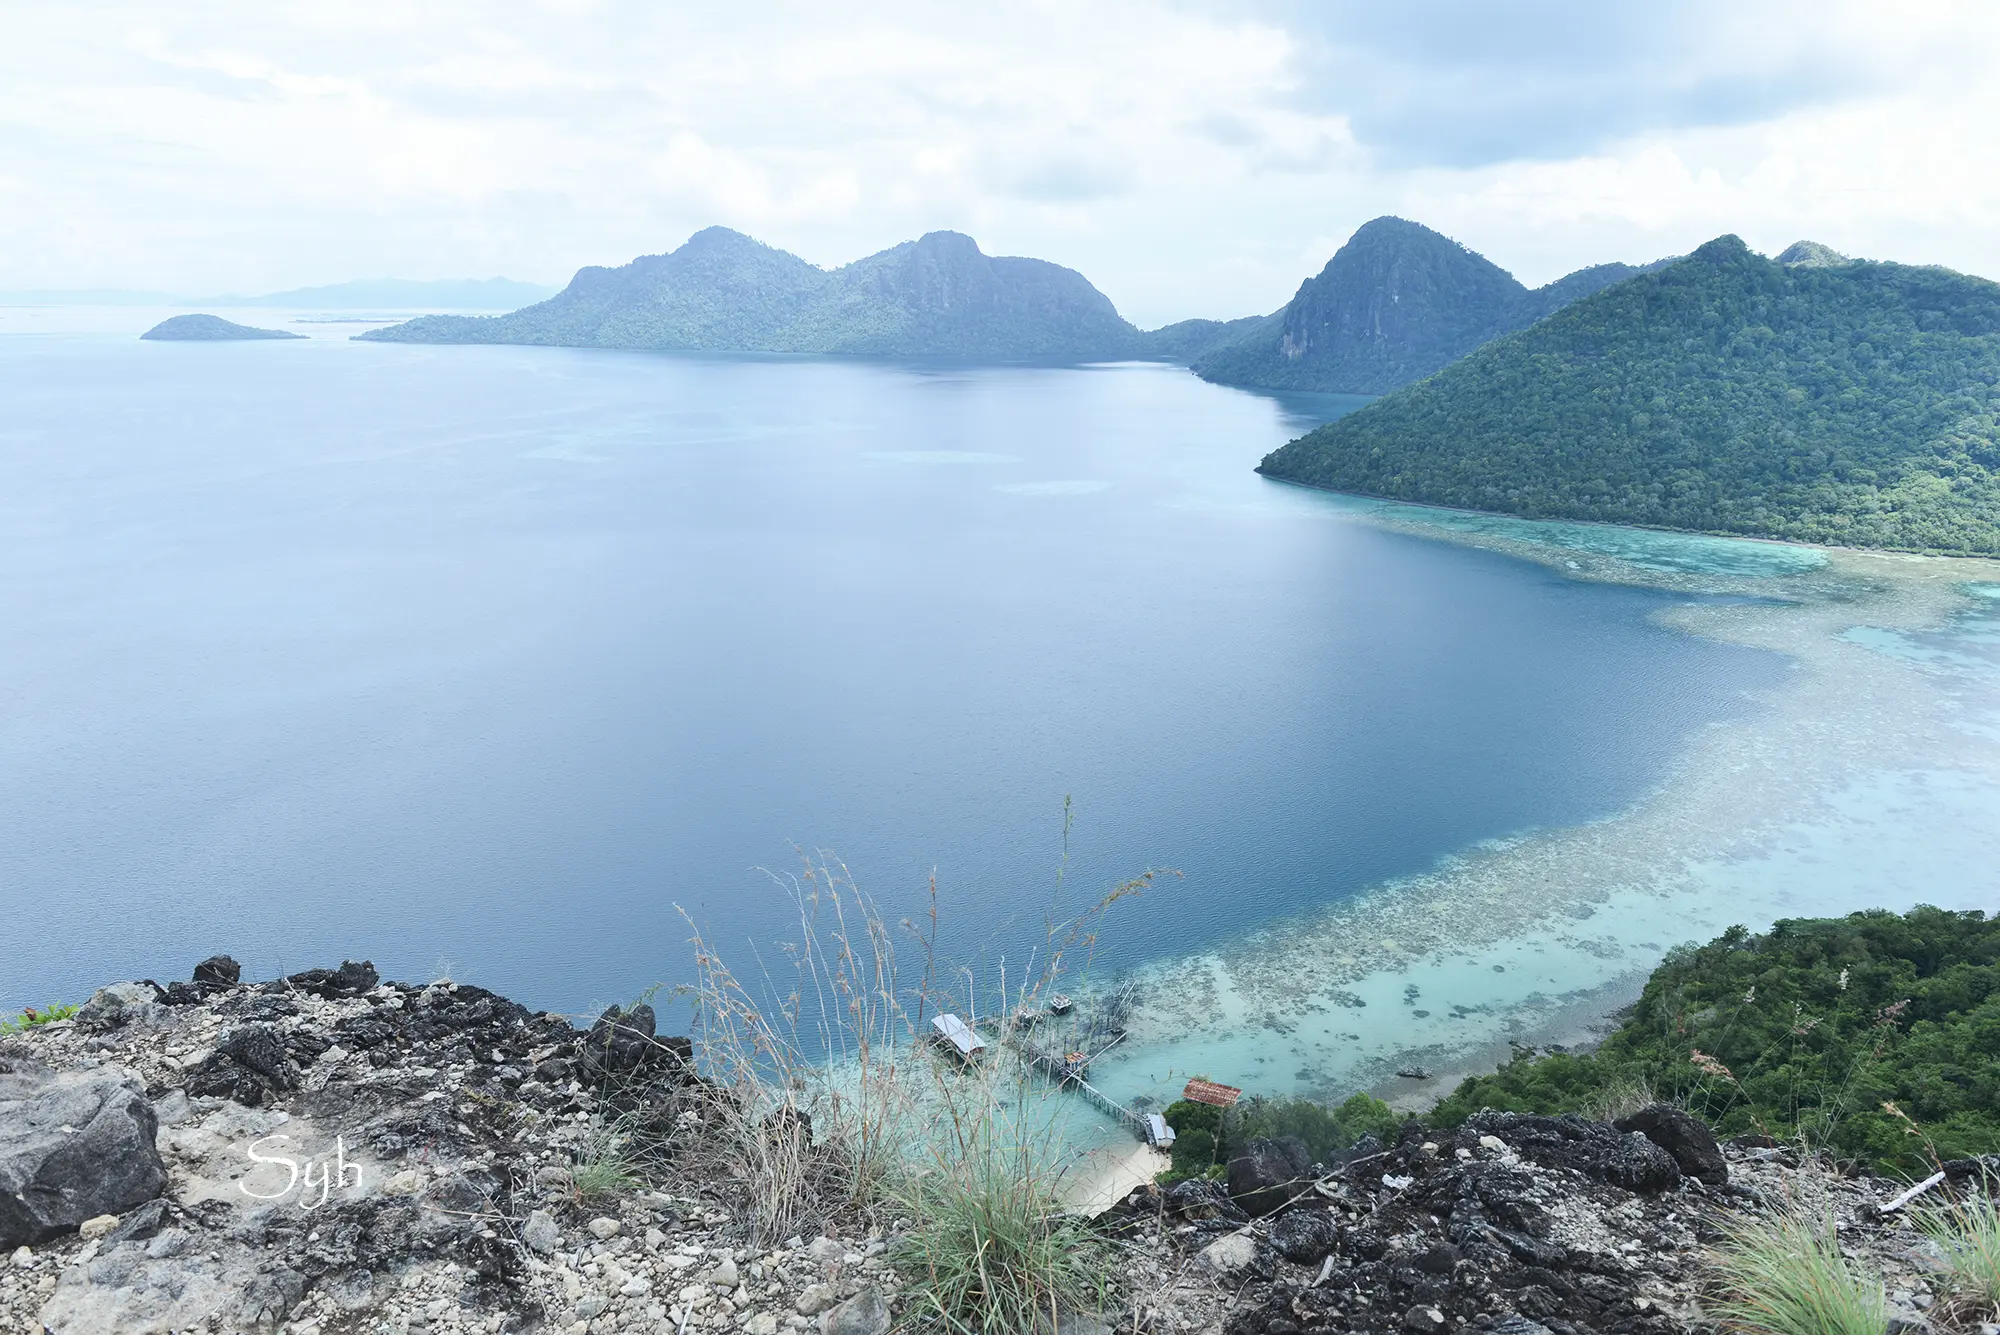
1190	158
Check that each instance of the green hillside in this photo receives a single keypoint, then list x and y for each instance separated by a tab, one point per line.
1846	403
1873	1035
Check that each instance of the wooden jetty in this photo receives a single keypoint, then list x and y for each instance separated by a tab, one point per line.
1070	1069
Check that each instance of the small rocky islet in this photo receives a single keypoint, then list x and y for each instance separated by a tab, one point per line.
328	1152
209	329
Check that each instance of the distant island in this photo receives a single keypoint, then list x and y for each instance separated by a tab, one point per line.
1396	303
1809	398
209	329
937	296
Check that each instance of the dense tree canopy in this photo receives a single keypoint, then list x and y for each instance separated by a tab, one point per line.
1852	404
1877	1035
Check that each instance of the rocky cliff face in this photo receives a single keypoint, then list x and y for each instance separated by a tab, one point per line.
1395	297
329	1153
1394	304
346	1155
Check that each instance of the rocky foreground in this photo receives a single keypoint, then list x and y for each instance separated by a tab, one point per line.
330	1153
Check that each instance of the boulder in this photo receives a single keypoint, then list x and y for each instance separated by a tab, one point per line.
1304	1237
1520	1325
1683	1135
866	1313
1230	1253
73	1146
218	971
623	1043
1081	1323
119	1005
540	1232
1266	1174
1596	1149
351	979
248	1065
1197	1198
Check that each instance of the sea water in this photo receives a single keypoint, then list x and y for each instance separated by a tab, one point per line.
519	663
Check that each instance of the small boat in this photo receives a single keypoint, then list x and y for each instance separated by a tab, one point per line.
1061	1004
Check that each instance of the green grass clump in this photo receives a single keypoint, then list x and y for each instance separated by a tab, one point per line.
1967	1235
33	1016
606	1163
1785	1276
991	1253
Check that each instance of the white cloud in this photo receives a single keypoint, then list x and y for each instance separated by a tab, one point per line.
1190	160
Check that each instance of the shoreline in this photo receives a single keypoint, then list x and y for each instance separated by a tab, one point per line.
1623	524
1868	778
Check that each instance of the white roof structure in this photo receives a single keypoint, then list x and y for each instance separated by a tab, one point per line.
1158	1134
959	1034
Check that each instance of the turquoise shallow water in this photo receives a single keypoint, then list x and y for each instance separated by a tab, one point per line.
1646	549
486	659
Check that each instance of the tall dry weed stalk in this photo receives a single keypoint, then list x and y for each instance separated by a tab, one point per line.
827	1096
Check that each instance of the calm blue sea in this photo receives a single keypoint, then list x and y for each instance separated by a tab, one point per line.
484	659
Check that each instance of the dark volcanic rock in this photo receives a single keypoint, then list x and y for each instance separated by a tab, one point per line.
1624	1159
349	980
1200	1199
72	1146
622	1043
1304	1237
218	971
250	1064
1683	1135
1265	1175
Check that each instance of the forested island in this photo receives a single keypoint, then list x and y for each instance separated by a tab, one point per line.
209	329
1817	400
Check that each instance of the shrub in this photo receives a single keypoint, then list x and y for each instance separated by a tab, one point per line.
1325	1131
1204	1135
33	1016
1193	1154
1784	1275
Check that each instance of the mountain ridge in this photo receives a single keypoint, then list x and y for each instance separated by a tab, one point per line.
938	295
941	296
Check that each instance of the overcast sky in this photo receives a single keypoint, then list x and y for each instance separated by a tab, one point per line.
1190	158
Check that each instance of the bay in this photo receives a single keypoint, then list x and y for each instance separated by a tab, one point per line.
489	661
